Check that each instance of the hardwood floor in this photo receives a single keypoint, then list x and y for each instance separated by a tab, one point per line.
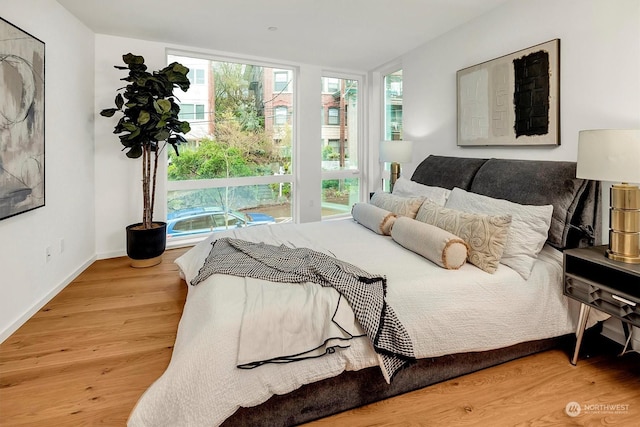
87	356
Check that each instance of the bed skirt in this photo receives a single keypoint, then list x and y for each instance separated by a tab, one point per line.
352	389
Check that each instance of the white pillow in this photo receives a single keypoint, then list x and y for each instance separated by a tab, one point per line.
529	226
406	188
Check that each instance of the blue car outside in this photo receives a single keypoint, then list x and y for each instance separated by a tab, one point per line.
193	221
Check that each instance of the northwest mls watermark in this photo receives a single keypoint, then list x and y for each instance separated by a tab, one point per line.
573	409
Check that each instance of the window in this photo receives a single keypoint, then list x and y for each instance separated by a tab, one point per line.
191	112
340	149
187	112
196	76
238	155
393	106
392	111
331	85
199	111
280	81
334	116
281	116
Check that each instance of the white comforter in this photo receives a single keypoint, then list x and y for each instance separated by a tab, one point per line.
444	311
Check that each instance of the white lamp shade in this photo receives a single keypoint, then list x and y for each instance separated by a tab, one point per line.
609	155
396	151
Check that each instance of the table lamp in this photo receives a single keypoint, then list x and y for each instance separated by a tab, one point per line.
395	152
614	155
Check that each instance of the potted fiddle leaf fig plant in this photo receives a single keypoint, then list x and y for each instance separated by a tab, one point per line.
148	123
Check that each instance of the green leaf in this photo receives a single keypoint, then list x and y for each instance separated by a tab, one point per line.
134	152
130	58
162	135
119	101
129	126
185	127
108	112
179	68
134	134
143	117
138	68
165	105
141	99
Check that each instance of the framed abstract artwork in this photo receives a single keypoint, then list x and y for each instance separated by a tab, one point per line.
512	100
21	121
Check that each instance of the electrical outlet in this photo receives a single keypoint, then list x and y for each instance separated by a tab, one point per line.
48	253
61	245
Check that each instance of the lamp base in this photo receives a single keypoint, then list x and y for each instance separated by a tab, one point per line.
395	173
624	217
622	258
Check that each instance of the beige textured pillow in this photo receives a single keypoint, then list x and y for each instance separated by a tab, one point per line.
486	235
373	217
404	206
433	243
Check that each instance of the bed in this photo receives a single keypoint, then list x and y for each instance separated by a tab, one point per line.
458	320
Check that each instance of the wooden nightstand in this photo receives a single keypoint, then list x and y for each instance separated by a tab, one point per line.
598	282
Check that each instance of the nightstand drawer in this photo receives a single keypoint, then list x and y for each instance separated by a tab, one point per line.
610	301
578	289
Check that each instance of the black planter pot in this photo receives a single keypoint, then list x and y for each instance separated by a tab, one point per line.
145	247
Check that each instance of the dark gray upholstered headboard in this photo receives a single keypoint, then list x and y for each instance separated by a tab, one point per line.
576	202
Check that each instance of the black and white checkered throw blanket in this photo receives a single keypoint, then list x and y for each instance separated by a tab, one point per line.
365	292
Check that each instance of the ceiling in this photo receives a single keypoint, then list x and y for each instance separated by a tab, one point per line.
339	34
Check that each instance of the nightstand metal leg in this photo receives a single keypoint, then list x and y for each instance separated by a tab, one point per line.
626	345
628	332
582	324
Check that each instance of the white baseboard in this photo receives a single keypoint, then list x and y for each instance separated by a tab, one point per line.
111	254
6	333
612	329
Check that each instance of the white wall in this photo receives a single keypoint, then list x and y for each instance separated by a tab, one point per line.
27	280
599	72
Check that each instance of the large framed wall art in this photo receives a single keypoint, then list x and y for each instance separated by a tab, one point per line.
21	121
512	100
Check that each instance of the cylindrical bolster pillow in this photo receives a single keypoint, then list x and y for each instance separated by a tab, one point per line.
437	245
374	218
